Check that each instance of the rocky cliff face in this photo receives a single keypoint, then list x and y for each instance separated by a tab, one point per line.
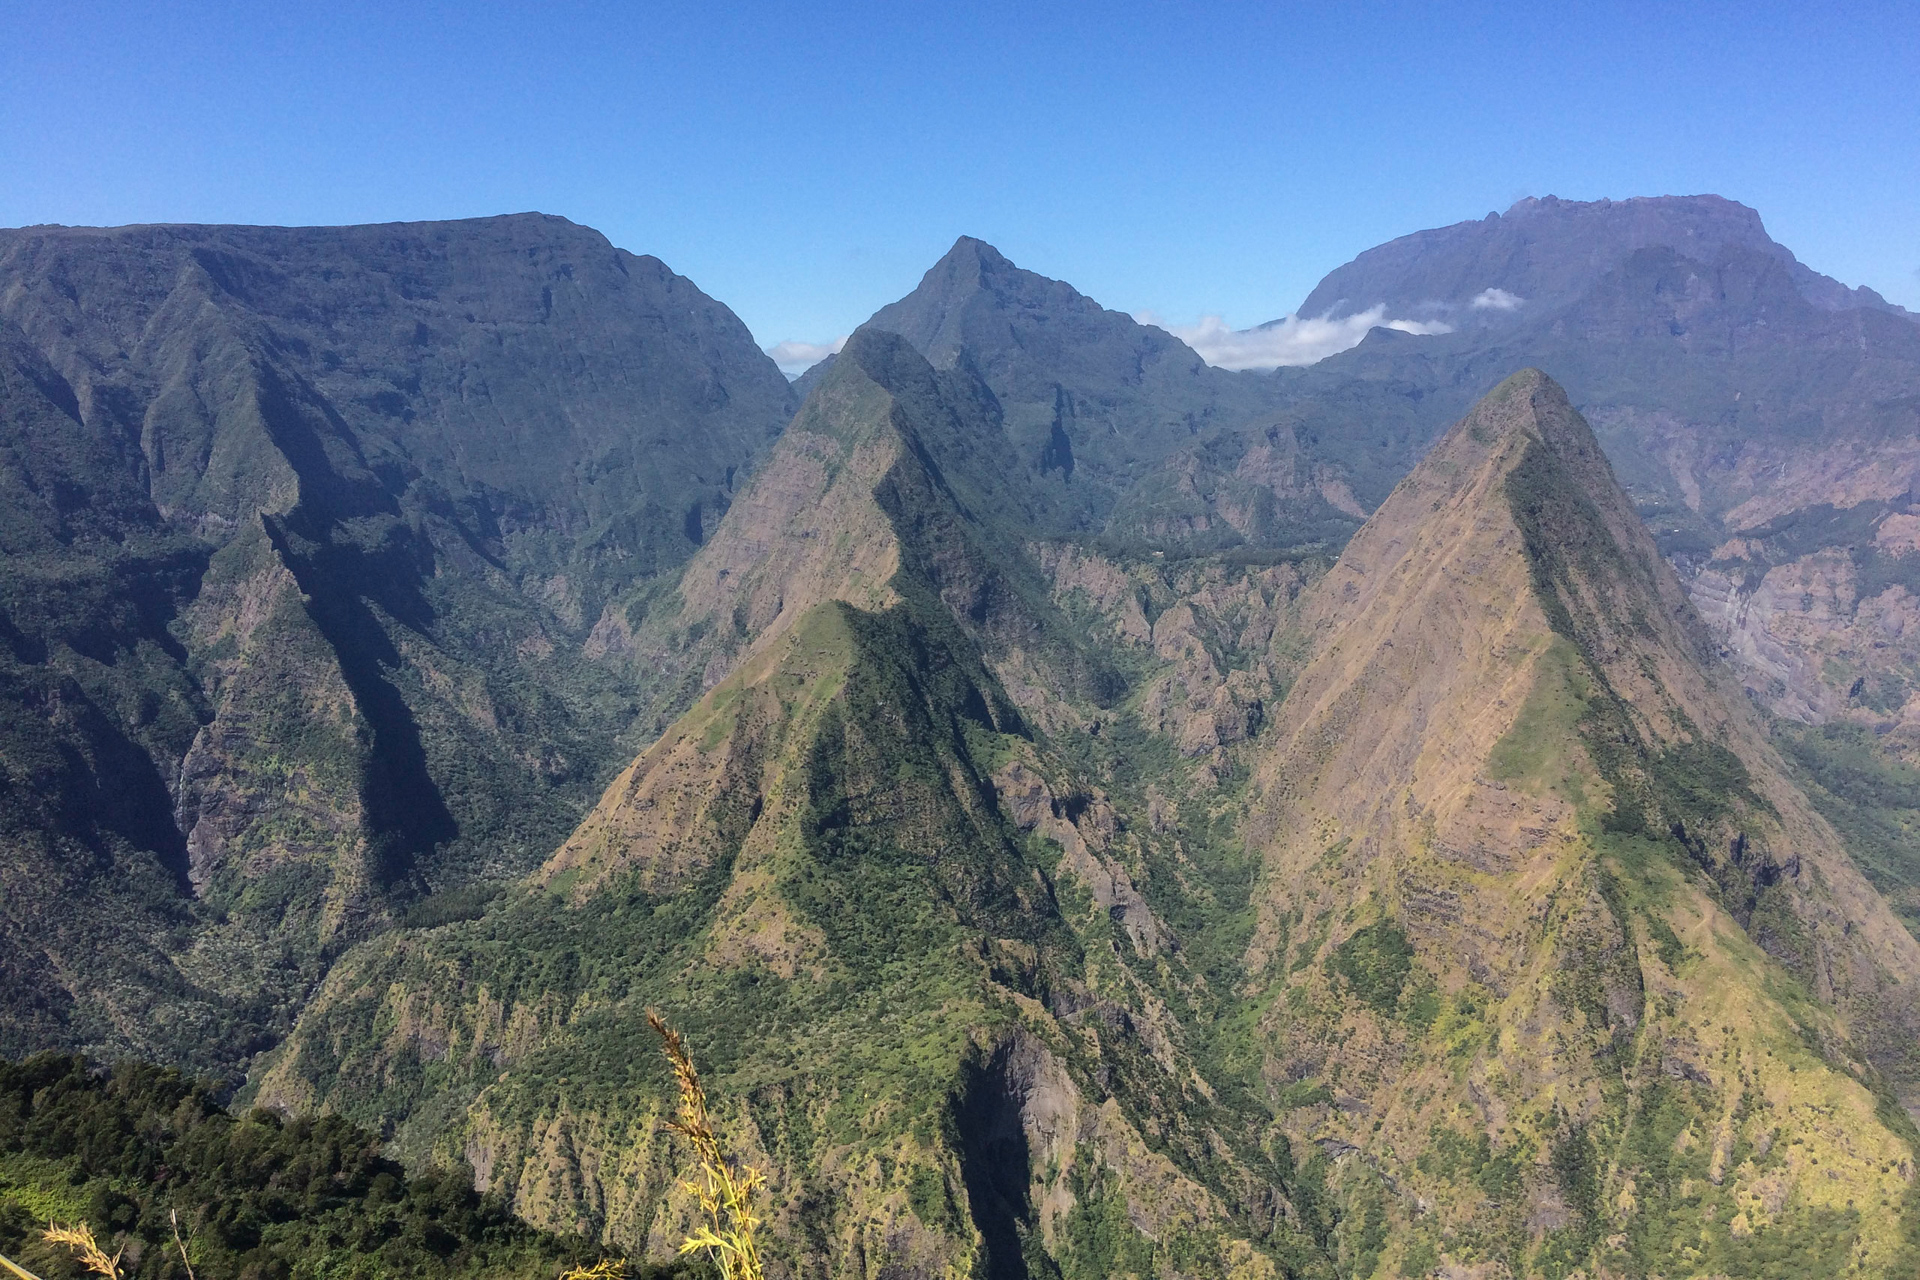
304	535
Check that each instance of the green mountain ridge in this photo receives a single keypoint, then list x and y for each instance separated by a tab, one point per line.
909	944
905	919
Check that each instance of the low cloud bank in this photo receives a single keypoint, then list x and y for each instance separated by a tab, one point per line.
1290	341
795	358
1496	300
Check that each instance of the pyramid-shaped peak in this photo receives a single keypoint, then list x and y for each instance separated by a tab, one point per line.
875	350
1528	406
974	249
1524	462
1531	402
973	297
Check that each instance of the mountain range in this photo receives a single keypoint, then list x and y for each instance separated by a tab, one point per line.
1448	809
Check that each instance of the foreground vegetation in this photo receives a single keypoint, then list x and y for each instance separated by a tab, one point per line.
138	1150
266	1198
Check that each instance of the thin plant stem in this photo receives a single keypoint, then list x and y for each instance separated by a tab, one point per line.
16	1268
79	1238
723	1189
173	1216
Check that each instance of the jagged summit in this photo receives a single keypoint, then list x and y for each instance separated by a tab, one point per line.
972	297
1543	253
1095	404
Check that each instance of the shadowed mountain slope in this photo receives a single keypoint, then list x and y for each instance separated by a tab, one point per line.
304	532
1539	899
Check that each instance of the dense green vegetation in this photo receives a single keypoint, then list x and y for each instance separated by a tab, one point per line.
1375	961
1871	797
256	1197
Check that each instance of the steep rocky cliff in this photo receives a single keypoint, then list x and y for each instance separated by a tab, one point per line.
303	533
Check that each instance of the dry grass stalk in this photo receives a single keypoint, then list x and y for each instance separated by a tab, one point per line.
79	1238
605	1269
173	1216
723	1189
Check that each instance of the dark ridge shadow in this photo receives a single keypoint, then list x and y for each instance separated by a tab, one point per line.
406	814
996	1166
94	782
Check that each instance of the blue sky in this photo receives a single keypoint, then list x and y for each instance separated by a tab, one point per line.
806	163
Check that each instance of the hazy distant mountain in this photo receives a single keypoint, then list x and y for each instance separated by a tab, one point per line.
1544	253
304	535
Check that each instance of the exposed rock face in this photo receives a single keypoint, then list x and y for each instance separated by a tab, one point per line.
304	534
1214	627
1524	849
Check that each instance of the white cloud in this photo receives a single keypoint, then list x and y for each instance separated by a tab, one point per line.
795	358
1495	300
1291	341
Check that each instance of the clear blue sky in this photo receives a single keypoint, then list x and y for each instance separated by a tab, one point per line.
806	163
